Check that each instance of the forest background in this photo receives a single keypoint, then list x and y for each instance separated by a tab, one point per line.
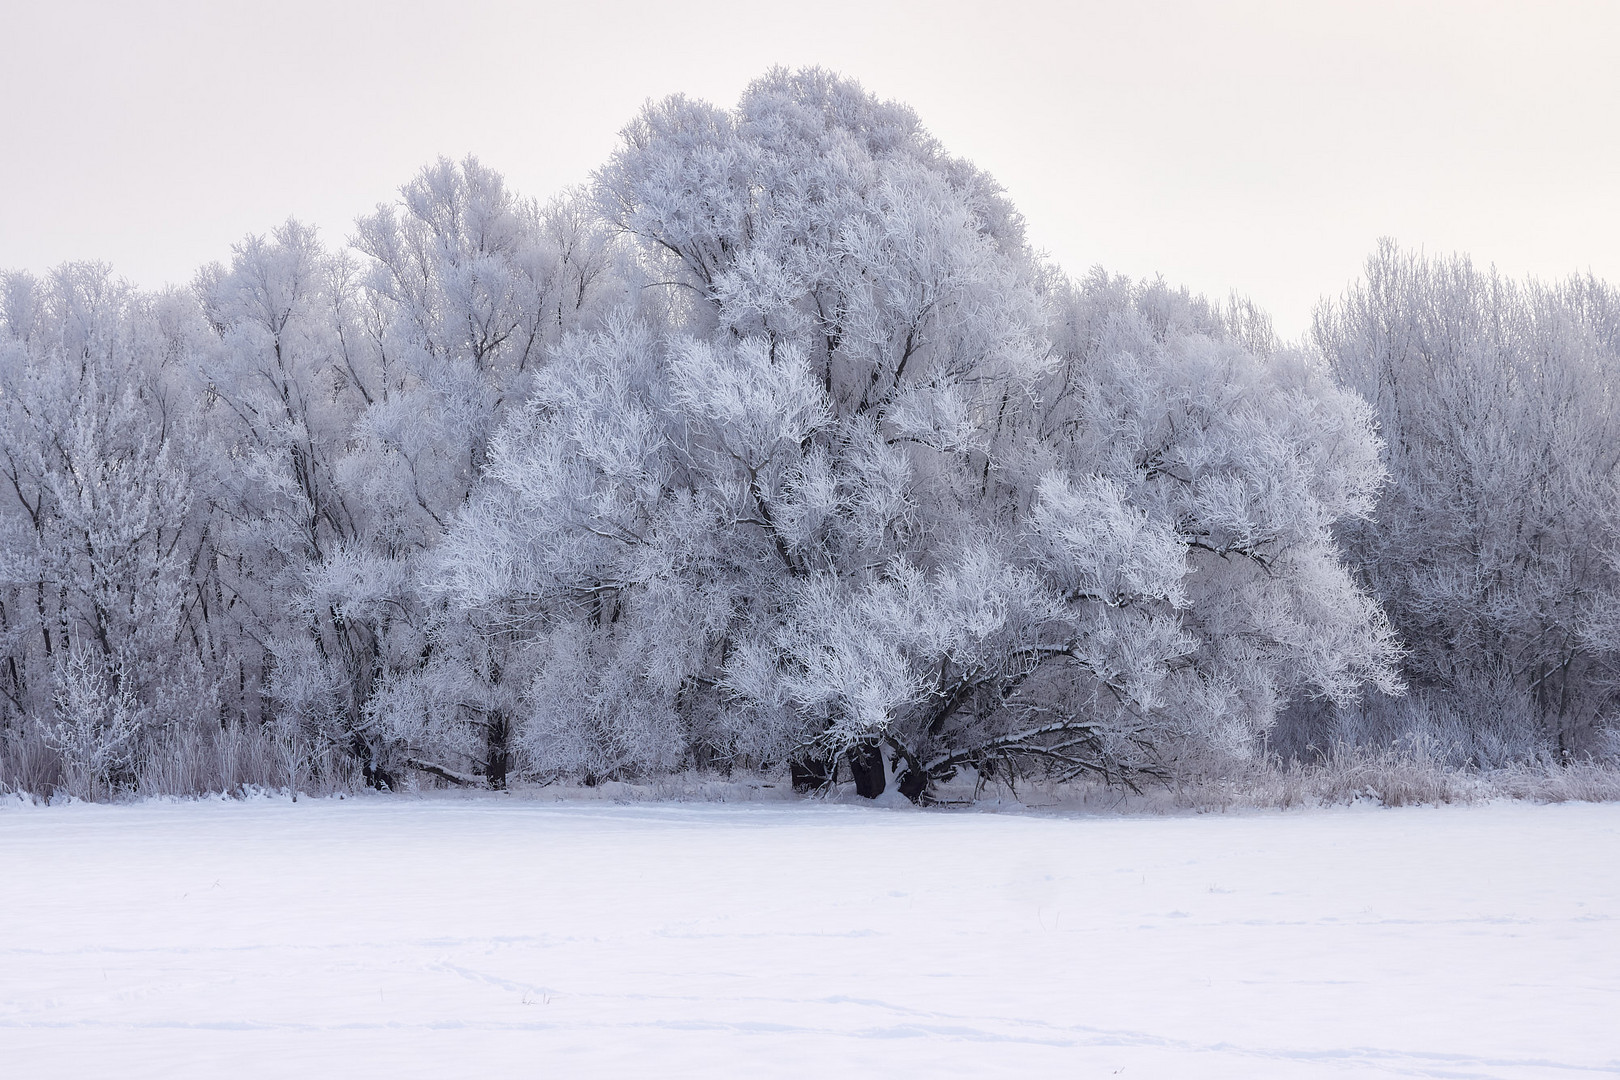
778	446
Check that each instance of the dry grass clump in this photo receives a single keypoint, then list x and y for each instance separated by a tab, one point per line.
1401	774
180	761
210	759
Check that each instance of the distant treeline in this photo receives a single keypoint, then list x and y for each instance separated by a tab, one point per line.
778	446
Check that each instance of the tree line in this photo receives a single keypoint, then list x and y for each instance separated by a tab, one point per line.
777	445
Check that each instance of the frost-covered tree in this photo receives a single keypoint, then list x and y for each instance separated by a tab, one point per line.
1233	462
101	641
467	291
285	390
843	304
351	400
1493	549
843	493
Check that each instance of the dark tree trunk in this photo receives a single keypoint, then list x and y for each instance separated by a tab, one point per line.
866	764
497	749
812	773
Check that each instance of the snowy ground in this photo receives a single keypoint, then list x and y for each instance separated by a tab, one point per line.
455	938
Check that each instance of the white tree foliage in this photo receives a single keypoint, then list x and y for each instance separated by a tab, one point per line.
1493	550
874	479
776	445
468	291
99	537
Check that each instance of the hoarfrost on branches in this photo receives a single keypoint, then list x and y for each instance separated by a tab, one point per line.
855	491
777	445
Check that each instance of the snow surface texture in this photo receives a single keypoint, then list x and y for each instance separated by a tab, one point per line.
392	936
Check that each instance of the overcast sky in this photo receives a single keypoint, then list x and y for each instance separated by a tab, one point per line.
1261	147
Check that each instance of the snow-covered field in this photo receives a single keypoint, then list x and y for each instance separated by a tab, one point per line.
392	936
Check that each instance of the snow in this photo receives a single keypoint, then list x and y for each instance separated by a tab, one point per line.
444	937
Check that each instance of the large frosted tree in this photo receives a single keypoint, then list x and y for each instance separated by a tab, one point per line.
843	490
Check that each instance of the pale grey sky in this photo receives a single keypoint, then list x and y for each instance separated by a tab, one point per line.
1258	146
